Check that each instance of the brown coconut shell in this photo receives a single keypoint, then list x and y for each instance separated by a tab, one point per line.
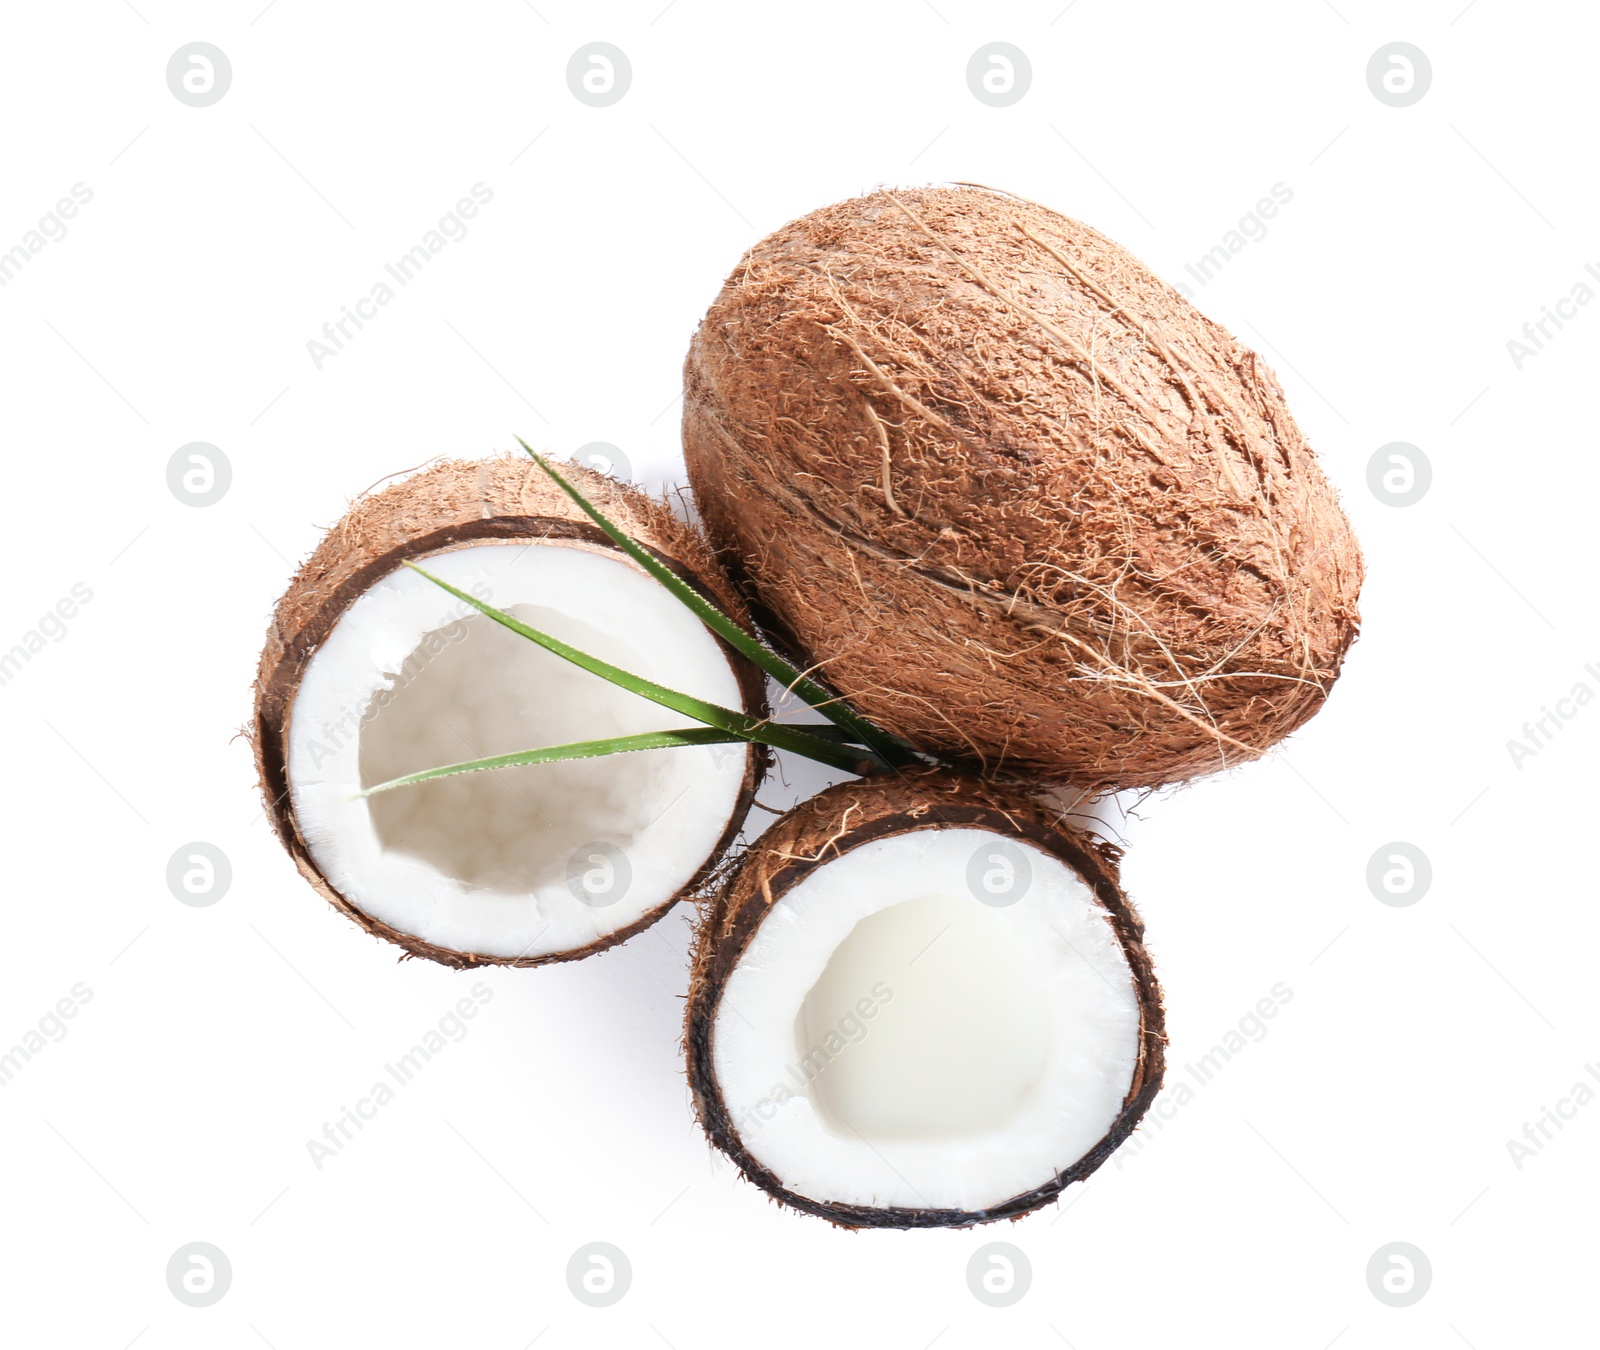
451	504
1018	500
825	828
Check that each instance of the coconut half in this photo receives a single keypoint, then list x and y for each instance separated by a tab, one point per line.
919	1002
371	671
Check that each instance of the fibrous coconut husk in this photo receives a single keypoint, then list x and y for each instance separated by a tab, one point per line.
826	827
1014	496
451	504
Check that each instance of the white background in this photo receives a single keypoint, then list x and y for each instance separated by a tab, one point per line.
1418	1040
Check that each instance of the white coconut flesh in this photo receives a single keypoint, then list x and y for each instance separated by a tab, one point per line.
526	861
887	1039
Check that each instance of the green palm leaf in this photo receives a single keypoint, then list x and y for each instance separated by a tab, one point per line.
884	746
615	745
712	714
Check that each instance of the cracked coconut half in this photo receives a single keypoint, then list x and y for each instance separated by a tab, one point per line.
372	671
920	1002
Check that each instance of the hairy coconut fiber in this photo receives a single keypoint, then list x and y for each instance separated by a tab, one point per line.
452	504
1017	499
826	827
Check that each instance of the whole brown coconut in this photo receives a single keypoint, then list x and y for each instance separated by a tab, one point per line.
1016	498
455	505
902	816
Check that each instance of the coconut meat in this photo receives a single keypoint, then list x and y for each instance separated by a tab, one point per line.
887	1039
532	860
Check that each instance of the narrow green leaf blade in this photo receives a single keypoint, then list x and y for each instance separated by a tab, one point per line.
614	745
832	707
712	714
